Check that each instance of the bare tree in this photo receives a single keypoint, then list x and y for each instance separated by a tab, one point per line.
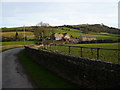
41	24
41	30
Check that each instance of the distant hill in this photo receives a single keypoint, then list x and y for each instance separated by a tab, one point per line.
84	28
101	32
17	29
97	28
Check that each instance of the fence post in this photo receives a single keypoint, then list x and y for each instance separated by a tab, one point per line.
50	47
47	46
92	52
69	50
55	47
81	51
97	53
44	47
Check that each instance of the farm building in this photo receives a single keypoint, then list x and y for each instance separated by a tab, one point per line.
73	40
87	38
60	36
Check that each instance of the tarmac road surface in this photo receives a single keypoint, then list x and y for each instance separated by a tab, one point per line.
13	75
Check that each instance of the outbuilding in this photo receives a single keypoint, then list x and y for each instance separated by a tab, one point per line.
87	38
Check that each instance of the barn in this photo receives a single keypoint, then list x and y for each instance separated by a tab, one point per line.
87	38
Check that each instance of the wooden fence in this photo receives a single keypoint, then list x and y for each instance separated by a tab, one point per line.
111	55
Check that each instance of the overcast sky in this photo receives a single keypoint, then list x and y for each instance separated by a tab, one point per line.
59	12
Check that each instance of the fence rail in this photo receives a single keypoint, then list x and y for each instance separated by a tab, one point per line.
111	55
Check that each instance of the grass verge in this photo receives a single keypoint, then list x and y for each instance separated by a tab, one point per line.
17	43
4	48
40	76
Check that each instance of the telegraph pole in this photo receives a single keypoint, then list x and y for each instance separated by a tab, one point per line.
24	35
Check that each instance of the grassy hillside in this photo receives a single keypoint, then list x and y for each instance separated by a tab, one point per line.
97	30
77	33
29	35
27	28
84	28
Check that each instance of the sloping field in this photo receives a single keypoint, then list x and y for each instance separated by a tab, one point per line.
29	35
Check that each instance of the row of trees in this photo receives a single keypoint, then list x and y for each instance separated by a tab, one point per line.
41	31
94	28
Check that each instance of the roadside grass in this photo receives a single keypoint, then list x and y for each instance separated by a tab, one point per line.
105	55
40	76
17	43
4	48
13	44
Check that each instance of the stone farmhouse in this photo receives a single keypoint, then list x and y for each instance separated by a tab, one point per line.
60	36
68	37
87	38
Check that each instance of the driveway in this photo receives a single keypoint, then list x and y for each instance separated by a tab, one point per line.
13	75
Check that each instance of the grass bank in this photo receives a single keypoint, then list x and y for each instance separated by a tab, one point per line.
4	48
40	76
17	43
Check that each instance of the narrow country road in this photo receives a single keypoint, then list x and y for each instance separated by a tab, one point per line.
13	75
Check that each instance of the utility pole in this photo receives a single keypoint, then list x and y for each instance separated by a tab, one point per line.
24	35
42	36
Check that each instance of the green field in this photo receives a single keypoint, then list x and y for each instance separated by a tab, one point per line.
29	35
99	45
17	43
77	33
105	55
74	32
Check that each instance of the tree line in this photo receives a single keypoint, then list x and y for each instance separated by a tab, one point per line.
97	28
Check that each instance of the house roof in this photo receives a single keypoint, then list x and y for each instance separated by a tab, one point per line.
64	33
58	35
61	34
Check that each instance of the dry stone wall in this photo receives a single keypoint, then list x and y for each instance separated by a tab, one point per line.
80	71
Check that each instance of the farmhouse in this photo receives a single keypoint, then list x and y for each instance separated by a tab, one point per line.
87	38
60	36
